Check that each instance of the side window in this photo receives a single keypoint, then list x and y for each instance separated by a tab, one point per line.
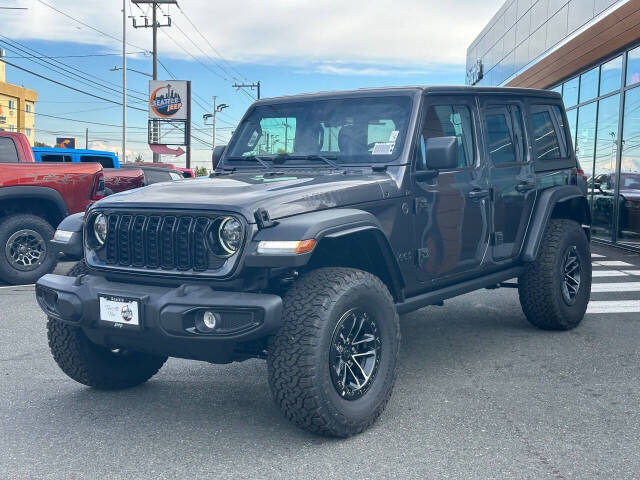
501	140
8	151
450	121
106	162
547	145
56	158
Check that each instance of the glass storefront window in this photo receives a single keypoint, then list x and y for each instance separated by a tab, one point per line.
629	198
603	183
589	85
633	66
586	136
570	92
572	120
610	76
557	89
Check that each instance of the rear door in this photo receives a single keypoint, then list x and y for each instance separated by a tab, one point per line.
512	178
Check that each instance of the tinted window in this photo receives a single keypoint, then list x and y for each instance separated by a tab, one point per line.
633	66
589	85
56	158
106	162
570	92
545	136
610	76
155	176
8	151
500	137
451	121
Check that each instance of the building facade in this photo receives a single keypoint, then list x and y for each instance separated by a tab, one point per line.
589	51
17	107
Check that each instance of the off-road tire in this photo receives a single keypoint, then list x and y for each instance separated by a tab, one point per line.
14	223
298	361
540	288
94	365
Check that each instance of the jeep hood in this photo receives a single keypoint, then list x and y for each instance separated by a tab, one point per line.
282	195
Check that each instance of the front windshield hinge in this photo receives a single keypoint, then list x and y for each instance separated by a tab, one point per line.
263	220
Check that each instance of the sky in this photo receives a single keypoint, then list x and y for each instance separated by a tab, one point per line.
290	46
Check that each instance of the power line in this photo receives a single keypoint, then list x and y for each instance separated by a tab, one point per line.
79	56
70	87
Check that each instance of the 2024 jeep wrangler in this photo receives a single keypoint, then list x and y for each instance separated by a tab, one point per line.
328	215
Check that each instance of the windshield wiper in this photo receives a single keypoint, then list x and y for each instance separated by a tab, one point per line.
253	157
329	160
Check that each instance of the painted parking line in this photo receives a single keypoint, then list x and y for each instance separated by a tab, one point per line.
632	272
18	286
616	287
609	273
597	255
611	263
612	306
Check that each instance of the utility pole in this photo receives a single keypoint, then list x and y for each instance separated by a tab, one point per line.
249	85
124	84
86	139
154	27
216	110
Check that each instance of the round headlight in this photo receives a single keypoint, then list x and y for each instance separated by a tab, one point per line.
230	235
100	228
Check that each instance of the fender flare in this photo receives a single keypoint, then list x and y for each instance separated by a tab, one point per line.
320	225
545	204
31	192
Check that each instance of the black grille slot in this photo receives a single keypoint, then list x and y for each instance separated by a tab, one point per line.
154	242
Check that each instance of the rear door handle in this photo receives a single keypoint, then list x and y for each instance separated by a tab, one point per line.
525	187
477	194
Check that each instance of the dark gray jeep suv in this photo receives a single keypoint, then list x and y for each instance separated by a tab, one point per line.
327	216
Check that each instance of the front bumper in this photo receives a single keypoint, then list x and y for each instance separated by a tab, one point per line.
168	315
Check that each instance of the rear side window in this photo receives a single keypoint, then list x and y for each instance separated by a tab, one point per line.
155	176
106	162
505	134
549	141
451	121
56	158
8	151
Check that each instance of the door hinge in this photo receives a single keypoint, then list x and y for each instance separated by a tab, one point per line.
497	238
419	203
423	255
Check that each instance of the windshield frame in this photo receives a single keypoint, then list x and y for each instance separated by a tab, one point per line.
413	94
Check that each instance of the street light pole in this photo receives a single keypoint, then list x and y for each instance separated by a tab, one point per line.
213	121
124	82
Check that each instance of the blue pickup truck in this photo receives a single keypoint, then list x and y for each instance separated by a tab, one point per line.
47	154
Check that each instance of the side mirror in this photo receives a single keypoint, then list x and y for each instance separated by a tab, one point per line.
441	153
217	154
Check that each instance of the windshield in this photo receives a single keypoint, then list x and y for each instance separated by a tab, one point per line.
352	130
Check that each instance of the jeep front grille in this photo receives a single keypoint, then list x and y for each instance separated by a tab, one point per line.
160	242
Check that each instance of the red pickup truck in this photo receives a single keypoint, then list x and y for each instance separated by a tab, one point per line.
34	198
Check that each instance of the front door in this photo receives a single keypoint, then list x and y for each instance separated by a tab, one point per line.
451	207
511	175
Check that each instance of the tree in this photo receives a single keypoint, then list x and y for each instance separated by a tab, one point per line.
201	171
139	158
40	144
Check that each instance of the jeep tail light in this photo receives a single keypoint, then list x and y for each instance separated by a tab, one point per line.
581	172
98	191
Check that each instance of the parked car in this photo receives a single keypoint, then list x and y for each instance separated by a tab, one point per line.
66	155
603	189
381	202
121	179
155	174
34	198
185	172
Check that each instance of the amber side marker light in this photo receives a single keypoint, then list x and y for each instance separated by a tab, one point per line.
287	247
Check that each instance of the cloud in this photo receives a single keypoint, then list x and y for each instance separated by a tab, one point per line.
408	32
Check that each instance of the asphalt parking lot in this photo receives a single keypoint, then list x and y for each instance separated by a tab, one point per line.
480	394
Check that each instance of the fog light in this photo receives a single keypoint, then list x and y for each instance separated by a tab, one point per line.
210	320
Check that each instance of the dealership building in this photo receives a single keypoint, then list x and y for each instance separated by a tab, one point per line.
589	51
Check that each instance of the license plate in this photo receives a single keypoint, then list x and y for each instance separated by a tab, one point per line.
120	312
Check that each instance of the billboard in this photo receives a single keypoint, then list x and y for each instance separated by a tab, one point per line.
65	142
168	100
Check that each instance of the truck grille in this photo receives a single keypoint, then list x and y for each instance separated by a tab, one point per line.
161	242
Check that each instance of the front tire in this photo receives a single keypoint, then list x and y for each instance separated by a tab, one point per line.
332	365
25	252
94	365
556	287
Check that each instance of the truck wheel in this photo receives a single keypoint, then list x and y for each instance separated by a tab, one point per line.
556	287
332	365
25	254
93	365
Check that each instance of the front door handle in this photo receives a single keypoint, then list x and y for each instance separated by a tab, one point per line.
525	187
477	194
